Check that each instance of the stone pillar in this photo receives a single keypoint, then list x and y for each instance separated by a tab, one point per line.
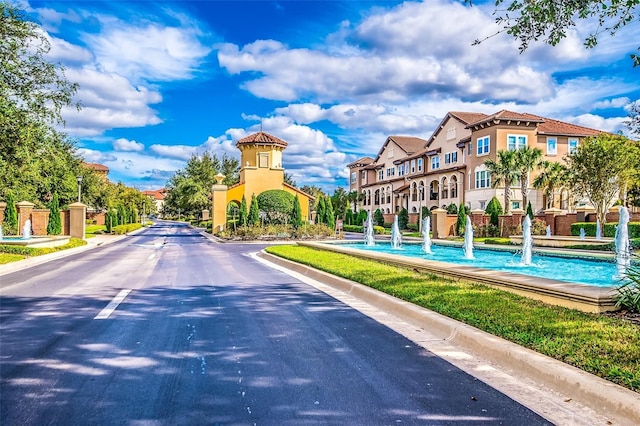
439	223
77	220
550	218
3	207
218	205
24	213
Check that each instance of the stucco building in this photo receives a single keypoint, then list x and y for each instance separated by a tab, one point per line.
260	170
449	167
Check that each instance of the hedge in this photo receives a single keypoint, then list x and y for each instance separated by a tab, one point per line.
356	228
609	229
123	229
38	251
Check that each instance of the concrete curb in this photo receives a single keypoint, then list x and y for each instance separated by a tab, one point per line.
619	404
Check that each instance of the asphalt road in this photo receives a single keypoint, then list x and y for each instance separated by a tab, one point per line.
204	334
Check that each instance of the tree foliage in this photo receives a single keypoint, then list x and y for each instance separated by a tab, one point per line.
378	218
526	160
340	202
190	188
276	205
503	171
296	213
551	20
403	219
320	209
54	226
552	176
494	210
10	223
329	216
601	168
461	221
244	214
254	212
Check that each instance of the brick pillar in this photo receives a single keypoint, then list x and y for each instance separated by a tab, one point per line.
439	223
3	207
24	213
218	205
550	218
582	212
477	217
77	220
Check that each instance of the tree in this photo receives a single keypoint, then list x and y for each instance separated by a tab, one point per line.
527	160
329	216
288	179
296	214
340	201
315	192
403	219
503	171
10	215
276	204
452	208
54	226
320	209
599	169
552	177
353	197
550	20
461	222
494	210
254	212
378	218
529	210
243	212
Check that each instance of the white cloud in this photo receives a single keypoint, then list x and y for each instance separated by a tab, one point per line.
146	50
123	144
180	152
612	103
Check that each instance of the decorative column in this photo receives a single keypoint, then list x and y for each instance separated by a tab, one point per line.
77	220
439	223
218	205
25	209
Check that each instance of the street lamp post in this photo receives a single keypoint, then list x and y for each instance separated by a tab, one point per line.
79	186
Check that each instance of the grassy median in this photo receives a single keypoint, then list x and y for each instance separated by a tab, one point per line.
605	346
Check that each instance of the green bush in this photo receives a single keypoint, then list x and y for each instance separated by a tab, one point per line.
628	293
609	229
412	226
503	241
403	219
279	231
539	227
379	230
33	251
378	218
54	226
277	205
452	209
353	228
123	229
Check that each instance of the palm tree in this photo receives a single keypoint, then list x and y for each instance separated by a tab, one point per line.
527	160
552	177
503	171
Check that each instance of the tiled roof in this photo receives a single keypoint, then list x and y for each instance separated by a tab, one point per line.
261	138
158	194
508	115
409	144
468	117
555	127
97	167
361	161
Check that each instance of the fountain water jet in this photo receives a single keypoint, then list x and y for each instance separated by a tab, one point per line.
598	231
26	230
527	241
548	231
426	238
368	232
623	248
1	235
468	239
583	234
396	236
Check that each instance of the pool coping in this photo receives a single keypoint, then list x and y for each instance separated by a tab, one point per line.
574	296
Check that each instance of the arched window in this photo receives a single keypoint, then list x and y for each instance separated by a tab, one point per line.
454	186
364	198
433	190
382	196
414	209
414	192
421	190
376	198
483	177
388	195
445	188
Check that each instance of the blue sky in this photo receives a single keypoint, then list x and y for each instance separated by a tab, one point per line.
160	81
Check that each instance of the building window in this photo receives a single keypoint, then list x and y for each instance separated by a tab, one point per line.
419	164
413	166
470	149
391	171
447	158
515	205
435	162
354	177
454	157
380	174
454	187
552	146
445	188
515	142
264	159
573	145
363	175
483	145
401	170
483	179
376	197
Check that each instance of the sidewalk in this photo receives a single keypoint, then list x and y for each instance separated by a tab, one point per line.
97	241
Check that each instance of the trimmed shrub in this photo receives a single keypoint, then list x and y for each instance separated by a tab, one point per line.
461	223
539	227
277	205
10	224
54	227
123	229
403	219
296	213
609	229
378	218
452	209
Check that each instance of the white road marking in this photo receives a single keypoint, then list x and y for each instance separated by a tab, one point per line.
108	310
151	256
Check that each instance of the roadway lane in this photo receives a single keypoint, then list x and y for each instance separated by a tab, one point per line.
207	335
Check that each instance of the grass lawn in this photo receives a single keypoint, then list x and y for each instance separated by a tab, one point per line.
91	230
10	257
7	251
605	346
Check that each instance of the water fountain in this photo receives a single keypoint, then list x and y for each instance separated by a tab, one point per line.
396	236
598	231
583	234
623	248
368	232
468	239
1	236
548	231
26	230
426	237
527	241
